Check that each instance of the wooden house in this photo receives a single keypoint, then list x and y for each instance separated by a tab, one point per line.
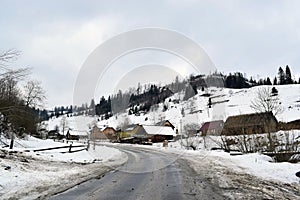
293	125
110	133
103	133
166	123
54	134
155	133
76	135
255	123
212	128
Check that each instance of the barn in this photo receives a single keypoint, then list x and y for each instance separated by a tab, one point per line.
255	123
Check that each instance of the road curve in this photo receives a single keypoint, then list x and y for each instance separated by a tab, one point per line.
147	174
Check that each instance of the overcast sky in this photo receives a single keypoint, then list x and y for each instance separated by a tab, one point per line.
56	37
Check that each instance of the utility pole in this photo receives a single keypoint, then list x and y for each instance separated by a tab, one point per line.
181	133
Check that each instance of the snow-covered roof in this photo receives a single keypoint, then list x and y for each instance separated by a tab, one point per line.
77	132
159	130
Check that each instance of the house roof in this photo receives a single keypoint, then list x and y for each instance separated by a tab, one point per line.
108	127
159	130
77	132
162	123
130	127
295	122
253	119
218	124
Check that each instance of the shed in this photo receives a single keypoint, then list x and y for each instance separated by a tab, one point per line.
255	123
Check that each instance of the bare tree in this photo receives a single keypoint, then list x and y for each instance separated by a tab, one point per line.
265	101
8	56
34	94
64	124
190	141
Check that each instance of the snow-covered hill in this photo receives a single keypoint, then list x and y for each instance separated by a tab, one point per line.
225	102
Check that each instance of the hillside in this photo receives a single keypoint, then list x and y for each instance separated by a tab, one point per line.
225	102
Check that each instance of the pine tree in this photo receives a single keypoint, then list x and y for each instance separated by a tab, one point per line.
275	81
92	105
268	81
288	75
281	76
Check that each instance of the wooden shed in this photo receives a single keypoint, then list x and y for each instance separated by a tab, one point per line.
255	123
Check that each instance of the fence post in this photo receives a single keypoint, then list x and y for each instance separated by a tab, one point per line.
70	148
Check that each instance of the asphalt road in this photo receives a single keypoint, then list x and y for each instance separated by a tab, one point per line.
148	174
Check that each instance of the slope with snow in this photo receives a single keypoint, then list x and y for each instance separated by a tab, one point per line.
226	102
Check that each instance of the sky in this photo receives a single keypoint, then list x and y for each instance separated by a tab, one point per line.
56	38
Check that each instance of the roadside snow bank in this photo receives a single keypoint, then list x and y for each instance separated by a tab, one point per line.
31	175
260	165
255	164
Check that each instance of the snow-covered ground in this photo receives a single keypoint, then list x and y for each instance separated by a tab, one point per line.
255	164
32	174
27	173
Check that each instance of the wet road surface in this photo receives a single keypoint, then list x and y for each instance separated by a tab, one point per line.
147	174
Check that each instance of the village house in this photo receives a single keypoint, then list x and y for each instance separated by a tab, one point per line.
141	133
54	134
76	135
166	123
155	133
212	128
290	125
103	133
255	123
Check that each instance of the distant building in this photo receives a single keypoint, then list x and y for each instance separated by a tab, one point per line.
166	123
54	134
212	128
155	133
140	133
291	125
255	123
76	135
103	133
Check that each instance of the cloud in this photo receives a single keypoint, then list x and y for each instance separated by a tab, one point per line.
59	49
255	37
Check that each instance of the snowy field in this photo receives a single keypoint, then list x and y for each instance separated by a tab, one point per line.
34	174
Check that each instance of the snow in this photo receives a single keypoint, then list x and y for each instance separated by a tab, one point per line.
31	170
226	102
76	123
254	163
159	130
259	165
25	174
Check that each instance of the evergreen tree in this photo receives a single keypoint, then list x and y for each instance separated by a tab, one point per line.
288	75
92	105
274	91
268	81
281	76
275	81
